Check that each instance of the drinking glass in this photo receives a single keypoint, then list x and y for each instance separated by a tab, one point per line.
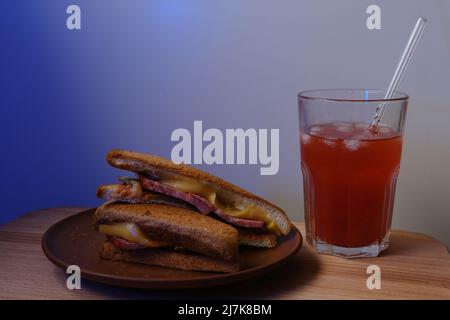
349	168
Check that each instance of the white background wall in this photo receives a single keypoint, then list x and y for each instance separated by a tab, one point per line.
273	49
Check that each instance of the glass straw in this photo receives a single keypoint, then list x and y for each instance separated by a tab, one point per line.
401	67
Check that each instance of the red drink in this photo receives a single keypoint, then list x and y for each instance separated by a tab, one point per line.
349	175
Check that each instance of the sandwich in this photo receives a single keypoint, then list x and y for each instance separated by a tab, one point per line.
176	213
159	180
167	236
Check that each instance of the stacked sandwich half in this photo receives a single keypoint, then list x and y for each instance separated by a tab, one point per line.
180	217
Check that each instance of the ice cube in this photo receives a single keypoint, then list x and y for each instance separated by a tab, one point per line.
352	145
365	135
385	129
315	129
305	138
328	142
361	125
344	128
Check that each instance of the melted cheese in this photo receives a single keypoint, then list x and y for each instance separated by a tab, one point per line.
251	212
130	232
192	186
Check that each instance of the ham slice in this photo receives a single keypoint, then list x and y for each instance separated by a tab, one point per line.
152	185
125	244
230	219
247	223
202	205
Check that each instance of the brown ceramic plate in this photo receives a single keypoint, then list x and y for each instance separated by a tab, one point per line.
73	241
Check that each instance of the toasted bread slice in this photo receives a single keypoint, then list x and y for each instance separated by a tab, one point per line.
154	165
263	240
168	258
180	227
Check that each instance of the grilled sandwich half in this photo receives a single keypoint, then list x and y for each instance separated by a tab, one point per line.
166	235
160	181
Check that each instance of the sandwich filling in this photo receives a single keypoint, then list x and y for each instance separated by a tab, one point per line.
157	228
131	233
208	199
204	197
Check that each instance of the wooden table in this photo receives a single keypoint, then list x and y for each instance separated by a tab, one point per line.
415	267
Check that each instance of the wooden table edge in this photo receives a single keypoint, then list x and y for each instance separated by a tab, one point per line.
298	224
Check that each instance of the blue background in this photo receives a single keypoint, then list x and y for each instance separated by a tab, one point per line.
134	73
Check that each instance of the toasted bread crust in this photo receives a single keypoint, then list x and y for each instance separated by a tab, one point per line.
178	226
167	258
138	162
263	240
